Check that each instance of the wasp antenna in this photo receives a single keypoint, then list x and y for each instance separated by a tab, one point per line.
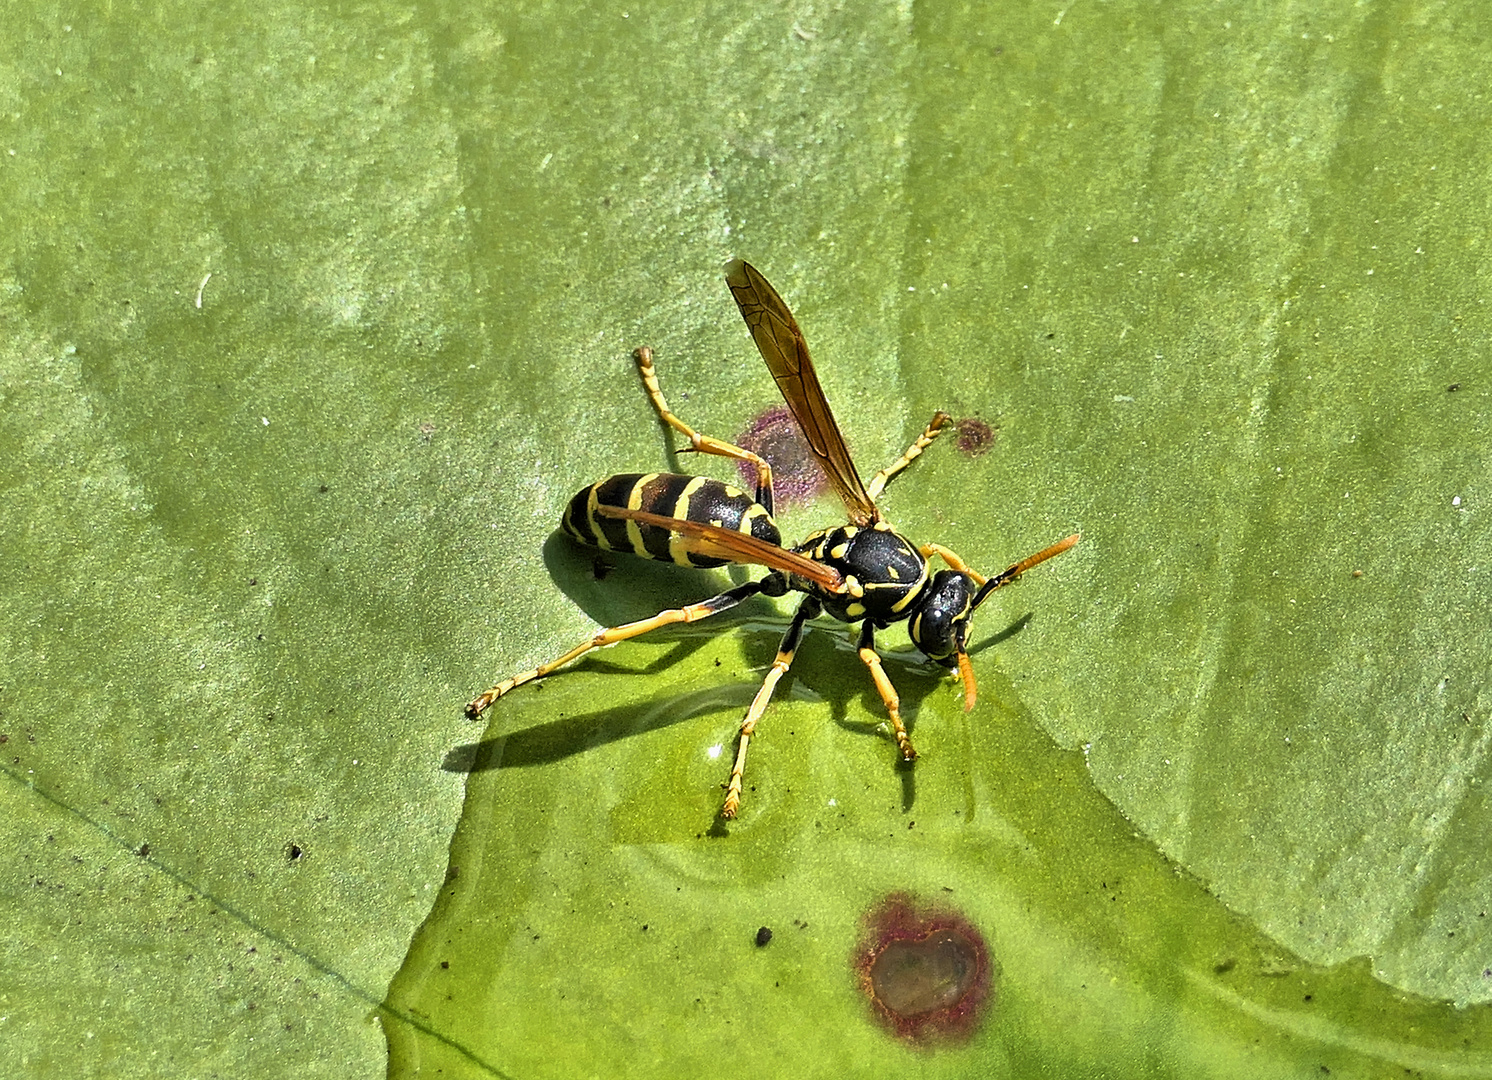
1042	556
966	673
1010	573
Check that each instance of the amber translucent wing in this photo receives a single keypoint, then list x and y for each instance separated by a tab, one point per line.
738	547
782	346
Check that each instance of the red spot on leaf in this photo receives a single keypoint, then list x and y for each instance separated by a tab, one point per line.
926	971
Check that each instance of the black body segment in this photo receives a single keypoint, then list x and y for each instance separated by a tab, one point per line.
674	495
884	574
942	617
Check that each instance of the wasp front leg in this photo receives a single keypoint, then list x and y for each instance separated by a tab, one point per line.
888	693
879	481
929	550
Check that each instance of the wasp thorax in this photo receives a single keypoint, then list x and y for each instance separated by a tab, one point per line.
888	572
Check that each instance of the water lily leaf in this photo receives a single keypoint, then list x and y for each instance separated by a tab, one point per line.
313	323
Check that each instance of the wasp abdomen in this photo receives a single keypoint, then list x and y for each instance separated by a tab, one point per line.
693	498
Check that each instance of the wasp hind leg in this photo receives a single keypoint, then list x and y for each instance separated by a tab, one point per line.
611	635
808	609
704	444
879	481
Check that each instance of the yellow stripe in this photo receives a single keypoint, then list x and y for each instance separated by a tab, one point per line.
677	545
593	519
681	504
634	502
913	591
634	497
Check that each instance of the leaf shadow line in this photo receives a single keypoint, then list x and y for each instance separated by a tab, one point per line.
377	1003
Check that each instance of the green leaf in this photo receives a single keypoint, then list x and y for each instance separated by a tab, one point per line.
315	320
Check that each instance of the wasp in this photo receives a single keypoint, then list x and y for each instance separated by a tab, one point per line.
861	572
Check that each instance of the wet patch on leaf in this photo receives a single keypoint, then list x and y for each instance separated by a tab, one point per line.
926	971
775	436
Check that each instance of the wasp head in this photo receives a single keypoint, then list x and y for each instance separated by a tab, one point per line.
940	628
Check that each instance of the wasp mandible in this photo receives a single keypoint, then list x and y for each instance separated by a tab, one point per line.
861	572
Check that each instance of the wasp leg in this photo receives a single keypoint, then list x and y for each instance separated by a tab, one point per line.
953	561
867	649
610	636
808	609
879	481
702	443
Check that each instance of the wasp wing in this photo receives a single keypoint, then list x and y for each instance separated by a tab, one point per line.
738	547
782	346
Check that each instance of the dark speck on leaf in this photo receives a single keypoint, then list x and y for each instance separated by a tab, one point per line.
975	436
763	936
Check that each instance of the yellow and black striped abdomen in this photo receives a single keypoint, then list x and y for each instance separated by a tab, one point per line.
693	498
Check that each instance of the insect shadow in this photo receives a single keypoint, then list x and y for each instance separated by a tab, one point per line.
862	572
827	667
